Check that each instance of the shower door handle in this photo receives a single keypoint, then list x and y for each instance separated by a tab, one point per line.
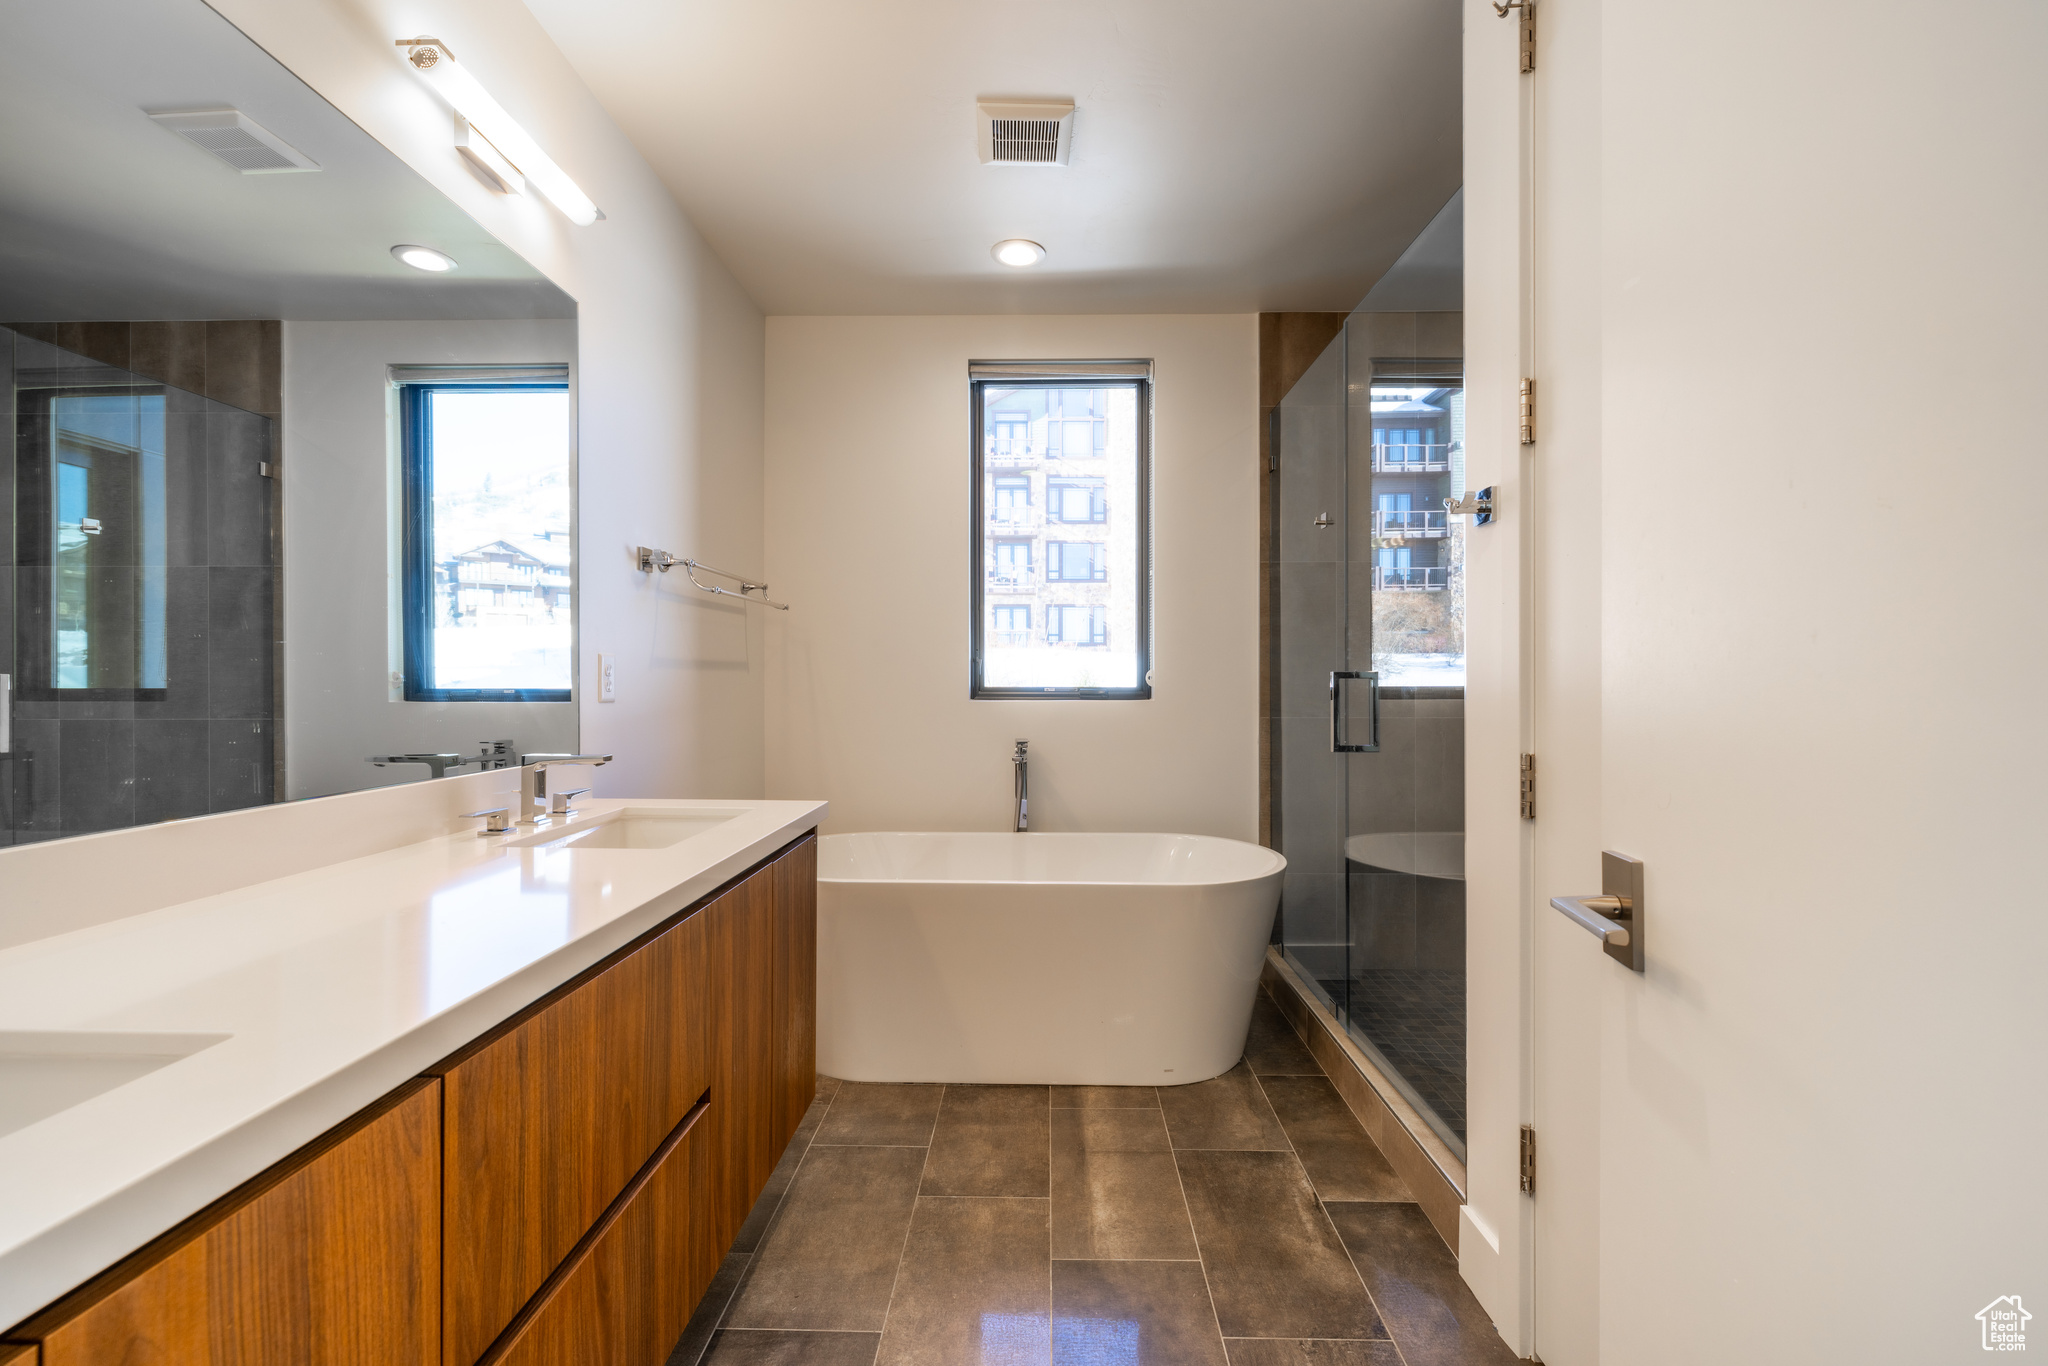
1337	745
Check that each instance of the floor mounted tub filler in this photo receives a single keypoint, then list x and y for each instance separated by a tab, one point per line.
1105	960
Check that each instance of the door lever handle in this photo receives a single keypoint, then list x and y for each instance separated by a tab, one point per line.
1478	506
1606	916
1616	915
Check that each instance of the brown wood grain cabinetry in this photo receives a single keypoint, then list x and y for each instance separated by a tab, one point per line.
742	934
626	1293
546	1120
332	1258
796	977
560	1191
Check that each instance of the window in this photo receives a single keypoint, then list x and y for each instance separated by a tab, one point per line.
488	555
1083	629
1077	500
93	509
1013	624
1012	504
1071	561
1011	567
1077	625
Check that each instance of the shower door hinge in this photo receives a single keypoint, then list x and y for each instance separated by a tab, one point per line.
1528	1159
1528	787
1528	9
266	470
1528	412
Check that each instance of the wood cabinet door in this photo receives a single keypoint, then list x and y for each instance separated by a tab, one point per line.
547	1121
331	1259
744	1001
796	983
626	1295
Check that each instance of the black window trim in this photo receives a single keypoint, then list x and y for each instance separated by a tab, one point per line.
1058	375
417	550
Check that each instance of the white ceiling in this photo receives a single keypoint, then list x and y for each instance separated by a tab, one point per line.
105	215
1228	156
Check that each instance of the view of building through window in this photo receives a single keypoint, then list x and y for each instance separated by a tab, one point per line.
1062	561
500	509
1418	569
107	544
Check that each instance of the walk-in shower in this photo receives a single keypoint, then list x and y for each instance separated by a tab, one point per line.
1370	694
137	598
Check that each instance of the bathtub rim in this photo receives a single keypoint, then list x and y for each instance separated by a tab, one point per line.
1278	867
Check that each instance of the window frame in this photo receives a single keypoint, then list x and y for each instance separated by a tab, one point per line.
416	553
1057	375
1056	565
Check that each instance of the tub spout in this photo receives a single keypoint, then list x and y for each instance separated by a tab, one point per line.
1023	767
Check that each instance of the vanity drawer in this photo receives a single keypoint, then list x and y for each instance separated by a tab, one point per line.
546	1121
626	1295
796	976
329	1259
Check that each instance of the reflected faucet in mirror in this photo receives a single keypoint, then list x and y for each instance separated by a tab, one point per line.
438	764
533	798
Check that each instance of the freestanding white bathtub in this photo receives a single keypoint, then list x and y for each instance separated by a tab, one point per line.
1109	960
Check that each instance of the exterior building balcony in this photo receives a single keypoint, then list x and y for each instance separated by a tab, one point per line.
1004	582
1009	640
1014	454
1420	457
1421	522
1014	522
1423	578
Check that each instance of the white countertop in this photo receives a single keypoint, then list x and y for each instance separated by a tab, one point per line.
329	988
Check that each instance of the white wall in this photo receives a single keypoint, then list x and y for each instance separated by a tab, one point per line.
669	398
340	529
869	451
1816	1117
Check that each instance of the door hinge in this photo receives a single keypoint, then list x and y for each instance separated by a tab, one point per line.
1528	1159
1528	412
266	470
1528	787
1528	9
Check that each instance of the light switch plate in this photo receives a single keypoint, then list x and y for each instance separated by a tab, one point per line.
607	680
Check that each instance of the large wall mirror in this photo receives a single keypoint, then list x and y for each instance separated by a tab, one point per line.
282	514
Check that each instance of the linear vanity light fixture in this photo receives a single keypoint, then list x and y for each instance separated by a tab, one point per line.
649	559
485	120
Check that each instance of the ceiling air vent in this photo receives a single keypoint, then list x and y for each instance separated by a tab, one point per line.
1027	132
235	138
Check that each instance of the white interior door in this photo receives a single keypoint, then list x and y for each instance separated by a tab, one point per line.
1570	975
1797	1136
1538	983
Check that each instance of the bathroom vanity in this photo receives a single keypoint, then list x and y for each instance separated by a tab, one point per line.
567	1061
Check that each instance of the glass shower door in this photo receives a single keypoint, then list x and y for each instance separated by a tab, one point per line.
1370	668
1311	528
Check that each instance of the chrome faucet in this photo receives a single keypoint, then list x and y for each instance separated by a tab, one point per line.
1023	767
533	796
437	764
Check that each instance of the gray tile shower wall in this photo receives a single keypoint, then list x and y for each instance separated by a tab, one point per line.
206	740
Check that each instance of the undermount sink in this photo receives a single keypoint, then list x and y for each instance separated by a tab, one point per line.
632	827
45	1072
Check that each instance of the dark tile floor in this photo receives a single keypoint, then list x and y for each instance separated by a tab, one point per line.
1243	1221
1416	1018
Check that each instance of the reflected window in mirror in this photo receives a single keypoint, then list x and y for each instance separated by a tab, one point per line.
101	533
488	591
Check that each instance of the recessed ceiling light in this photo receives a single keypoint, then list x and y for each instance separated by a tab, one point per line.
424	258
1018	251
